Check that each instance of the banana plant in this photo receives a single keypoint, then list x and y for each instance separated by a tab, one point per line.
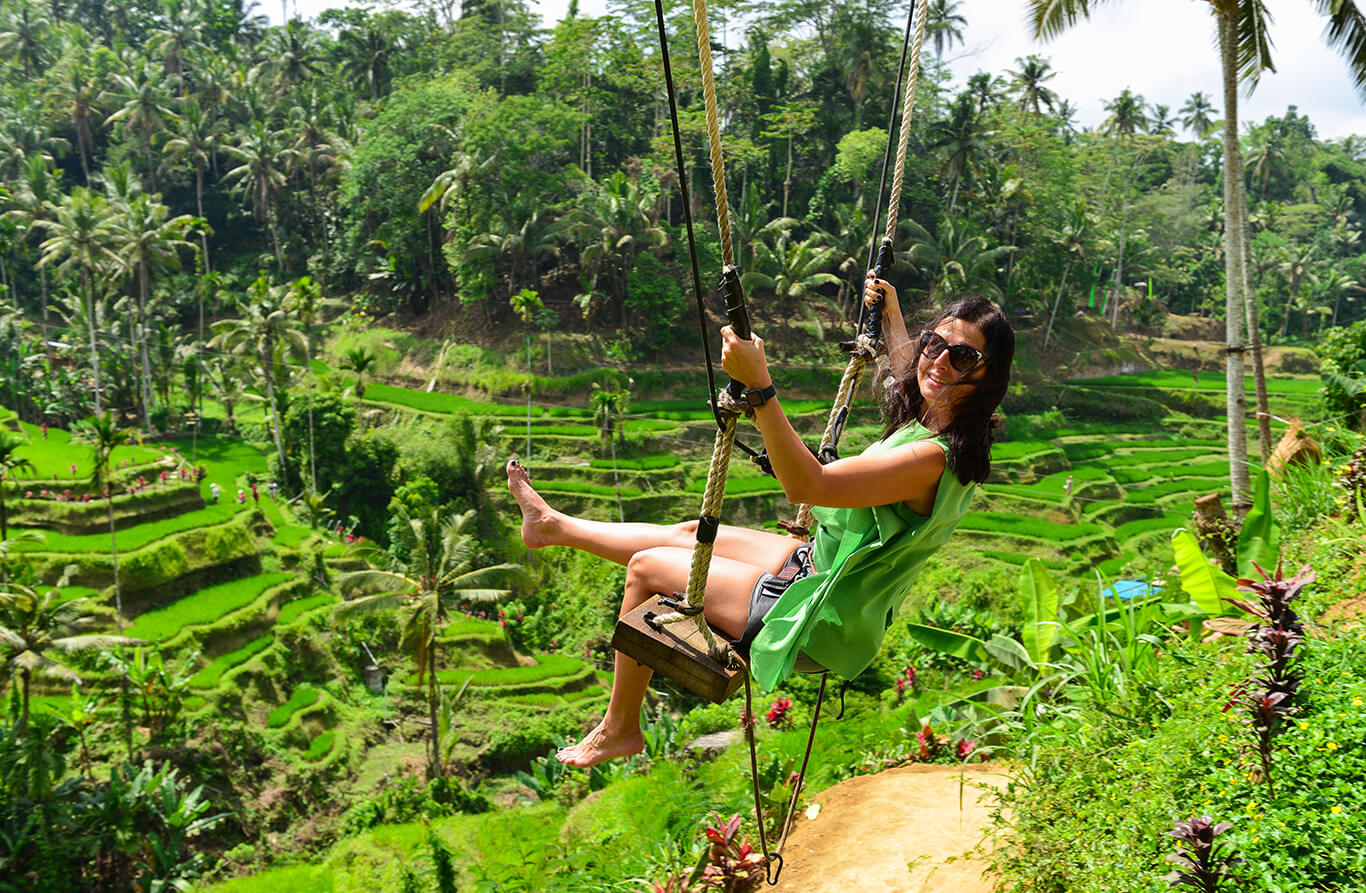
1258	546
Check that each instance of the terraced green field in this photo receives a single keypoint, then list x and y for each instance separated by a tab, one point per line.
205	606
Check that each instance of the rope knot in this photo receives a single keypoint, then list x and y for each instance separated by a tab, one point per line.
727	403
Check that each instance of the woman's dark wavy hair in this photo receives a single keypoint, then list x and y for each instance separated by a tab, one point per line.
969	432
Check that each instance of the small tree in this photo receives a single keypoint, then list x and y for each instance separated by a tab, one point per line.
10	463
32	626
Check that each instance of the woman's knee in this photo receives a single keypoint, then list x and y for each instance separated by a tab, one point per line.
644	575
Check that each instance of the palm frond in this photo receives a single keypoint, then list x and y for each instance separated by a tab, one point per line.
1346	33
369	604
374	580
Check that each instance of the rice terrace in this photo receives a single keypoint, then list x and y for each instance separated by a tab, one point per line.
366	369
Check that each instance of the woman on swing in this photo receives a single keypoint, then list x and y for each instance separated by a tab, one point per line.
885	511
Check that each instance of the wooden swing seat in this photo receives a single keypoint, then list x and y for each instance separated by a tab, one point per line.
679	652
676	650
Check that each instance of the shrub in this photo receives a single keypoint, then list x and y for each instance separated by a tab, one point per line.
1343	352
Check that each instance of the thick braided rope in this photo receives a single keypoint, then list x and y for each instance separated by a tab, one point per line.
701	555
718	169
725	434
903	139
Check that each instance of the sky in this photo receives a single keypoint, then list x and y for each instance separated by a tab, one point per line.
1161	49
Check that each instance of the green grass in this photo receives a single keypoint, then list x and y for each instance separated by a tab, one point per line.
548	666
644	463
1131	529
442	403
320	746
1151	492
135	537
295	609
1016	525
1018	449
1209	381
210	676
736	486
291	536
53	458
303	697
1212	469
205	606
591	489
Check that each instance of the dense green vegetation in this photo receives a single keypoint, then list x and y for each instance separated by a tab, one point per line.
326	277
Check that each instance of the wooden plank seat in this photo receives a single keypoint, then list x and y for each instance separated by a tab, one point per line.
679	651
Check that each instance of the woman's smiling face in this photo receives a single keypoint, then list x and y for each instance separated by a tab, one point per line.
936	376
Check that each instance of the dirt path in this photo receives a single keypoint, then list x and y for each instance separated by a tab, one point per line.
900	831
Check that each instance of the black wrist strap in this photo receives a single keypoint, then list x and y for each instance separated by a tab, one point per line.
759	396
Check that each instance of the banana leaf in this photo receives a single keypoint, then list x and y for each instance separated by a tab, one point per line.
1206	584
1040	597
947	641
1257	541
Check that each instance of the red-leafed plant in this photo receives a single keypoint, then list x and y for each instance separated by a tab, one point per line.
732	864
1268	695
1197	857
779	714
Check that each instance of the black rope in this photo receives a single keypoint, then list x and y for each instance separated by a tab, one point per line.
886	158
687	222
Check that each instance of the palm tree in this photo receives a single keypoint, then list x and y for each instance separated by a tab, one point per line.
1074	238
145	111
75	93
1245	52
1195	115
80	239
104	436
789	269
1127	117
261	175
1268	159
25	38
850	237
525	304
177	39
953	258
305	300
32	626
197	138
431	566
1297	265
961	139
360	361
263	333
36	196
786	121
367	52
1029	80
614	221
292	56
10	463
148	240
1161	123
517	237
944	26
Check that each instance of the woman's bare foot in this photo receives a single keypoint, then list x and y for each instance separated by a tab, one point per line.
538	518
599	745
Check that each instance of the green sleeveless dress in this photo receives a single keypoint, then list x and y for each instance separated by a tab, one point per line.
867	559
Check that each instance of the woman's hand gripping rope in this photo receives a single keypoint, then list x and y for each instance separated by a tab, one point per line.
744	361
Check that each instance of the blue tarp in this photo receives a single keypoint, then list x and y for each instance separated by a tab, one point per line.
1127	589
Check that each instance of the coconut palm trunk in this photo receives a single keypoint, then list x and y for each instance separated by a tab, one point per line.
94	345
146	360
1254	332
1053	314
268	367
1235	308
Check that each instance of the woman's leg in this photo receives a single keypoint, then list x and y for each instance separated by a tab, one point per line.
660	569
544	526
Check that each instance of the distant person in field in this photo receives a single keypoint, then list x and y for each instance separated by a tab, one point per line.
255	494
777	597
213	488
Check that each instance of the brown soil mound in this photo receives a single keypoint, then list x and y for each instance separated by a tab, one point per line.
918	829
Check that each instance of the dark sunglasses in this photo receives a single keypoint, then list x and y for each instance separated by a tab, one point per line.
962	357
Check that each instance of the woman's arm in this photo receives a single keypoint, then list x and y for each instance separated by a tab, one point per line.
908	473
900	348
